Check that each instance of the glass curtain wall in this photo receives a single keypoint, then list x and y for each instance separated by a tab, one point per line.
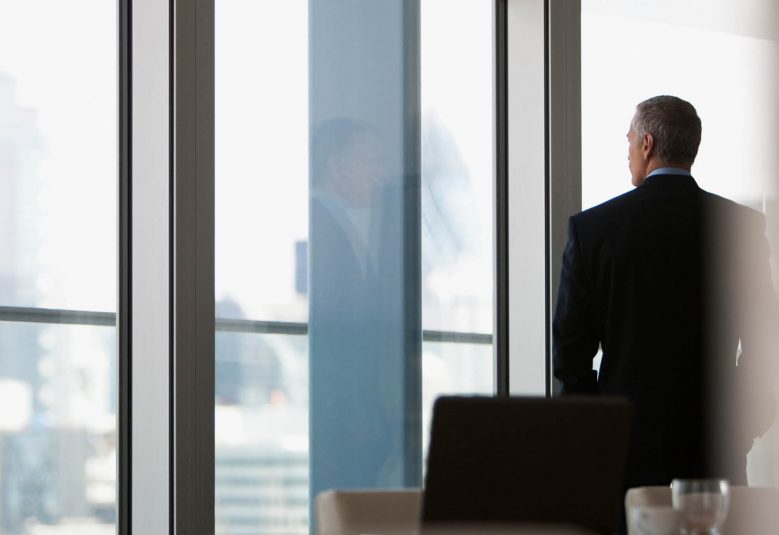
354	243
722	57
58	274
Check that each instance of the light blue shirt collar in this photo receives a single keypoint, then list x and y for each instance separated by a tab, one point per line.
670	171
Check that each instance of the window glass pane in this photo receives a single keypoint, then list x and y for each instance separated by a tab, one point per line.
348	229
261	470
58	433
58	198
261	142
58	154
261	426
454	368
457	180
724	62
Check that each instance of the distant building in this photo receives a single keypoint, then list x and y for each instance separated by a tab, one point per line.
21	147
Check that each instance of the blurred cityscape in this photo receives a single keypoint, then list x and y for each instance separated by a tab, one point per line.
58	443
57	382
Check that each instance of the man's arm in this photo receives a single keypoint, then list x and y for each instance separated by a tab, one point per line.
575	340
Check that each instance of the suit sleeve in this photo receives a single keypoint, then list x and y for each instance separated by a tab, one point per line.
575	339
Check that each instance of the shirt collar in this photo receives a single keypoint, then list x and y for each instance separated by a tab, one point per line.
670	171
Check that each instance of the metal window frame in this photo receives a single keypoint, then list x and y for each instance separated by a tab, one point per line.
54	316
564	145
166	295
539	178
166	304
501	204
526	178
192	284
144	302
123	317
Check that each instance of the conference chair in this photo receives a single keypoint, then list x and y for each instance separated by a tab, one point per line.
396	512
355	512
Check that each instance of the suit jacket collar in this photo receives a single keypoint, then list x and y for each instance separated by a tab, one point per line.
669	180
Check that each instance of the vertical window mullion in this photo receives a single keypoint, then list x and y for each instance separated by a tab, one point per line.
565	144
124	314
526	145
543	153
193	267
501	317
147	262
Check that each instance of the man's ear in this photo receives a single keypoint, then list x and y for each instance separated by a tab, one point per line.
647	146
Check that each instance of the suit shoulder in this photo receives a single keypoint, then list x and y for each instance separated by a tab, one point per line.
612	207
730	204
724	207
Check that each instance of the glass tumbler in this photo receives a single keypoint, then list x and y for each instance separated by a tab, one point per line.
702	504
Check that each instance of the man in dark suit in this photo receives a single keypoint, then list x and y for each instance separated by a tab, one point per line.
673	283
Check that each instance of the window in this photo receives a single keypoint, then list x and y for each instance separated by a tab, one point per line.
58	184
354	243
250	345
722	61
737	110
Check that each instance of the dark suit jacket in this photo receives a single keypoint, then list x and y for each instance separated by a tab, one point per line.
668	279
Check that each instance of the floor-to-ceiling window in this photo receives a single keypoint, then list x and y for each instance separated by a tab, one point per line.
409	85
58	266
354	243
722	58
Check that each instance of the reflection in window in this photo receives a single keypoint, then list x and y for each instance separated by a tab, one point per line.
326	279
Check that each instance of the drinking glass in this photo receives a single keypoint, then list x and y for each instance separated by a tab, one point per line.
702	504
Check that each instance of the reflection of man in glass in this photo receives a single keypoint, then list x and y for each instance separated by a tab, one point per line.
346	187
355	330
674	285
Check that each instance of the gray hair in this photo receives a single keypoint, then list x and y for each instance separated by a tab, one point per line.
675	126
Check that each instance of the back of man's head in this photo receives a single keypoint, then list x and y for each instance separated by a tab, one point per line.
674	126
